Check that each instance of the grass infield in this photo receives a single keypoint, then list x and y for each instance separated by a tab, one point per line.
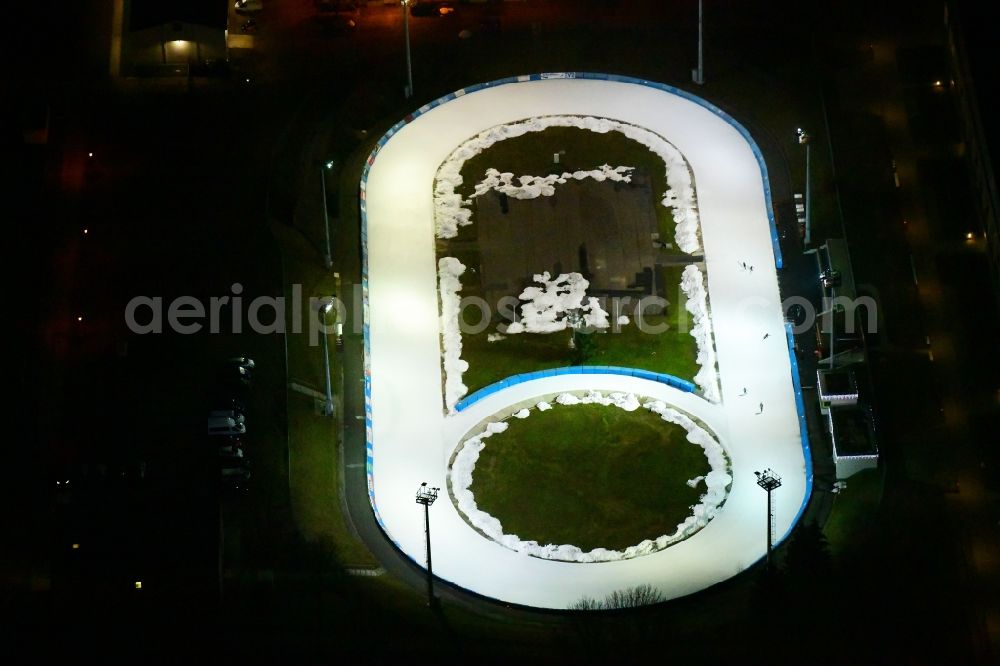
590	476
671	351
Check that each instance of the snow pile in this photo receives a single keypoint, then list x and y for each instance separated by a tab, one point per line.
522	413
693	483
717	482
693	286
623	320
543	406
556	305
449	270
567	399
626	401
451	211
532	187
494	428
495	337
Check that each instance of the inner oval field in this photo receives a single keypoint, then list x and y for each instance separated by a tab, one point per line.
592	476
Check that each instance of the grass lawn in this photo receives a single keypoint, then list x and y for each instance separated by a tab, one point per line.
314	467
672	352
589	475
853	511
313	442
531	155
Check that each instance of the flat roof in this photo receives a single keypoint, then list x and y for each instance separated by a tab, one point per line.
838	382
853	434
150	13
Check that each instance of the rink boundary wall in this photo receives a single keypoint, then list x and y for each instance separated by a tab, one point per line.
369	446
514	380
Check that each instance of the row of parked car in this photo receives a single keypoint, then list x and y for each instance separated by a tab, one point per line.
226	423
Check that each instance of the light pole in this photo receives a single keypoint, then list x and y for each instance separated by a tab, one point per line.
406	35
426	496
769	481
804	140
698	75
327	258
328	405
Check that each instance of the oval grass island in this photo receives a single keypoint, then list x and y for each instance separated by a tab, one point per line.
589	475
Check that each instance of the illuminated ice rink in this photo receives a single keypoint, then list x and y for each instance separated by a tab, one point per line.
412	438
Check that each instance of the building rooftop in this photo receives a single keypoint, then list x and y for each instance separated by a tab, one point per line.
150	13
852	431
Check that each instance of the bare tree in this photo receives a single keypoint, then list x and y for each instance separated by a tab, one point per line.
586	604
631	597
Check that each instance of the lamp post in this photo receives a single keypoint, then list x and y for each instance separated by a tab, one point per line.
769	481
804	140
328	405
426	496
405	4
698	74
327	258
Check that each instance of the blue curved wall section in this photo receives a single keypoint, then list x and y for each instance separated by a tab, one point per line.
670	380
568	75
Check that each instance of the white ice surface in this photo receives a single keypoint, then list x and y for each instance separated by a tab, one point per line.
412	437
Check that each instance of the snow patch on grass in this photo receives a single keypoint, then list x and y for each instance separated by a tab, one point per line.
532	187
450	270
451	211
693	286
556	304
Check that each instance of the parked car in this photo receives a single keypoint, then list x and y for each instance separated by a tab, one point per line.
242	362
233	414
236	478
235	475
423	8
238	369
231	450
234	378
225	426
227	441
230	457
247	7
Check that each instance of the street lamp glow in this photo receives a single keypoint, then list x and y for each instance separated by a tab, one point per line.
970	236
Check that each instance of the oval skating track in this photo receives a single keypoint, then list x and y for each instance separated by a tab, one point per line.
410	438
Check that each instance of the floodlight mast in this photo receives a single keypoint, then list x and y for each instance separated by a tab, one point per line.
426	496
408	92
770	482
699	72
